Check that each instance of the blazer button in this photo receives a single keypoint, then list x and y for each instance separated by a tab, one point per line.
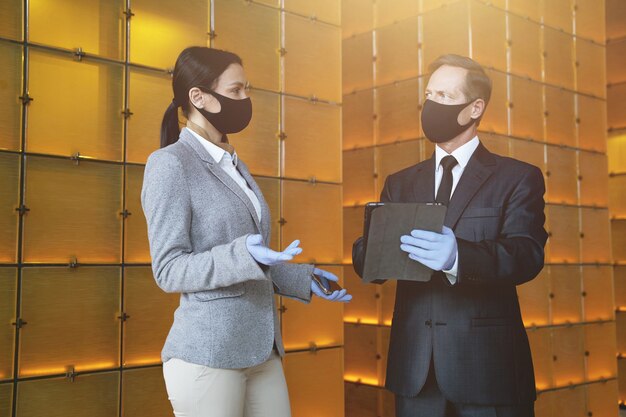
428	323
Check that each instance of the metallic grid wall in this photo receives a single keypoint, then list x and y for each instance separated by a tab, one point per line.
547	62
616	109
82	92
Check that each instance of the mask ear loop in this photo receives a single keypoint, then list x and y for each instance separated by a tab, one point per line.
482	114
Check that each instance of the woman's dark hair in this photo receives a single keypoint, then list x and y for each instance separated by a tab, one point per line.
196	66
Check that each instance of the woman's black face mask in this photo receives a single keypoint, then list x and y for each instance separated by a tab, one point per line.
234	115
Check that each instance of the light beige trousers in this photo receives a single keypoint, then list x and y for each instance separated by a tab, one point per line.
199	391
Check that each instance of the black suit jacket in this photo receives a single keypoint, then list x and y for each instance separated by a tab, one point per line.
473	330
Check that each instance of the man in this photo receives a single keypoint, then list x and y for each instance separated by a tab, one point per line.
458	345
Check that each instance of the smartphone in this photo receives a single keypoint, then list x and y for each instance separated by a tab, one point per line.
333	286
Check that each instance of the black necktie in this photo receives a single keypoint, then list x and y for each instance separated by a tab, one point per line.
445	187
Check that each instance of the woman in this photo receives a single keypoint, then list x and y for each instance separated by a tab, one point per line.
209	228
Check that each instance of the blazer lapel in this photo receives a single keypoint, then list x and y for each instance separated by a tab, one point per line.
424	184
477	171
189	140
265	211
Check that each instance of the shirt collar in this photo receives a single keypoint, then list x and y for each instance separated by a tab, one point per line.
215	151
462	154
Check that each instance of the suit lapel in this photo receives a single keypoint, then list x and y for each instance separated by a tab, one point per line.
424	184
477	171
265	212
189	140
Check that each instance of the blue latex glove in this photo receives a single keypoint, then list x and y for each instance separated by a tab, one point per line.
264	255
435	250
325	276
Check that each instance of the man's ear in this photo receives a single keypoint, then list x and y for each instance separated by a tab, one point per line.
478	108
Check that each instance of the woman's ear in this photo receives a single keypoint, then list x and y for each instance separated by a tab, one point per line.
196	97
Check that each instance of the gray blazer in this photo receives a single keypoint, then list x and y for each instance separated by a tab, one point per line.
198	221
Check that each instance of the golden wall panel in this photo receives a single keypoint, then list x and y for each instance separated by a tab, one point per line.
496	114
11	81
313	58
95	26
616	106
562	183
149	95
566	291
526	113
619	278
558	14
620	324
74	211
525	41
568	402
617	151
398	112
258	145
144	394
590	20
98	89
600	351
391	64
568	349
560	117
618	235
324	324
496	143
592	117
541	348
444	32
8	297
615	19
534	299
358	119
357	16
598	287
391	159
357	62
270	187
252	32
361	400
94	395
488	26
136	245
590	68
358	173
364	306
311	148
601	399
564	241
11	19
72	317
9	201
530	152
558	55
616	62
150	312
325	10
596	235
161	29
311	376
526	8
621	375
6	399
352	229
361	347
617	196
592	168
313	215
388	13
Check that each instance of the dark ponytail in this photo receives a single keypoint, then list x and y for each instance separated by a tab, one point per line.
196	66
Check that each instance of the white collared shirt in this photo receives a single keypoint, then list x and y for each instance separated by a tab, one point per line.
462	155
229	164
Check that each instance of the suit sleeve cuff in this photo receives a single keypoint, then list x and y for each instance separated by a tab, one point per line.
451	274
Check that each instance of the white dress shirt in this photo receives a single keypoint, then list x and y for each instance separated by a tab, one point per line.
229	164
462	156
